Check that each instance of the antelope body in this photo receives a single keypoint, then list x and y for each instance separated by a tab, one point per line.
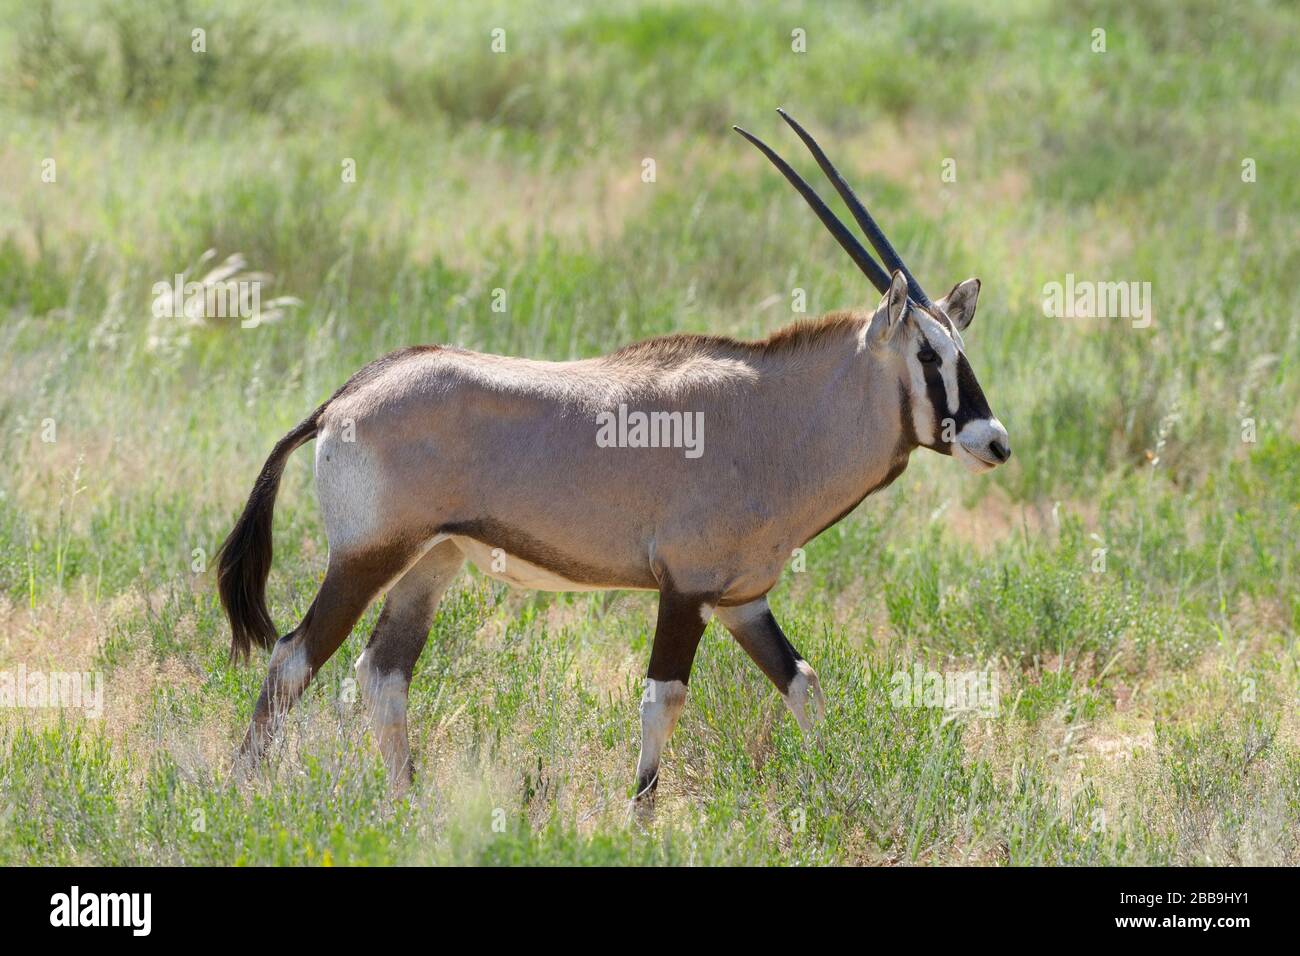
432	456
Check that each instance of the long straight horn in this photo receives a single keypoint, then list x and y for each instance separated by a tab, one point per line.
888	256
837	229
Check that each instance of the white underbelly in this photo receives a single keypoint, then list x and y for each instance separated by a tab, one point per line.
500	566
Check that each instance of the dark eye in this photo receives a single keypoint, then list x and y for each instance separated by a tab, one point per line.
928	356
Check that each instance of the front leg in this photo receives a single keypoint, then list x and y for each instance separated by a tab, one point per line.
681	623
756	630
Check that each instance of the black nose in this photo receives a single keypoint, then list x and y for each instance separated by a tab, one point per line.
1000	451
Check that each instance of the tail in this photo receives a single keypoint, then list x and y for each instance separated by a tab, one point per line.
244	560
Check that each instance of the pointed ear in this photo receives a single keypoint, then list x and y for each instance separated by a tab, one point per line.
960	303
889	314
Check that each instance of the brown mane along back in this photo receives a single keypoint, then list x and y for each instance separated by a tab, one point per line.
795	337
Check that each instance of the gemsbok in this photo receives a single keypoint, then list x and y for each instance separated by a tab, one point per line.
433	455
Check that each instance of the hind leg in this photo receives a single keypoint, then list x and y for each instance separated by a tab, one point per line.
385	666
351	583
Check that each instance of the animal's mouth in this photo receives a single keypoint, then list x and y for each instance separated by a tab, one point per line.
974	462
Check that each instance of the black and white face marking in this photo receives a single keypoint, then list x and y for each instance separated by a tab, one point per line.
949	412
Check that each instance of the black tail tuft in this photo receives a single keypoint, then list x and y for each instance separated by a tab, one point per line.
244	560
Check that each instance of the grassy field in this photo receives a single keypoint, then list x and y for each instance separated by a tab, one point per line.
1130	578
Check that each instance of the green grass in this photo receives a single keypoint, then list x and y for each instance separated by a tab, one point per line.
1147	706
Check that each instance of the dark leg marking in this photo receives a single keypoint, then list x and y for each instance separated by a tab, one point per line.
678	630
756	630
681	623
766	644
350	584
